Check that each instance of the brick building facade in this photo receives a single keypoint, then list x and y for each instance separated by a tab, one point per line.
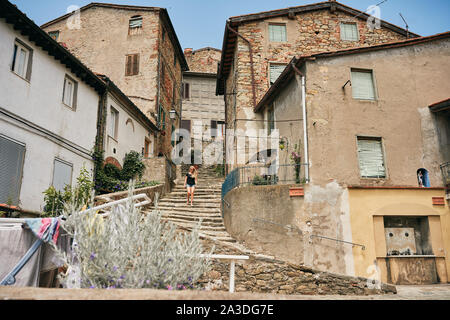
138	49
257	47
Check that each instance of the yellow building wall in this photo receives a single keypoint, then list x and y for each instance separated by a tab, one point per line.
368	206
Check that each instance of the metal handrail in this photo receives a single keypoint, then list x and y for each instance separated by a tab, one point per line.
338	240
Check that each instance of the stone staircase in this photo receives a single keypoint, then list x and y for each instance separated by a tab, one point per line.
206	208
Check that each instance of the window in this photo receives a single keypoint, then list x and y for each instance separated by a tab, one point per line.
132	65
186	91
12	155
349	31
363	85
173	138
114	122
186	125
275	71
22	59
162	118
62	175
270	120
277	33
371	159
70	92
135	25
147	148
54	35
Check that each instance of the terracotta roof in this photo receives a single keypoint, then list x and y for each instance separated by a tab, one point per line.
207	49
440	106
163	14
288	73
229	40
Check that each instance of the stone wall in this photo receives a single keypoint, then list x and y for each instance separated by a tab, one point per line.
161	170
203	60
262	275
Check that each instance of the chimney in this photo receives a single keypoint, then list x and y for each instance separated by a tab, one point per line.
188	51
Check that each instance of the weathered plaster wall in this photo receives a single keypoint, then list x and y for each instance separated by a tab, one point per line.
407	80
369	206
38	119
131	133
322	212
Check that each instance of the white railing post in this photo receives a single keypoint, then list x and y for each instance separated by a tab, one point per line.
232	270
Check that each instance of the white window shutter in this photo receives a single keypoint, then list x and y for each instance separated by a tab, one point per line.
62	175
277	33
371	160
362	85
349	31
275	71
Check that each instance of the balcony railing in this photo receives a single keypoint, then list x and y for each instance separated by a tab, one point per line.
263	175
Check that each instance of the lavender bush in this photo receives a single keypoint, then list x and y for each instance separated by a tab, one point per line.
129	249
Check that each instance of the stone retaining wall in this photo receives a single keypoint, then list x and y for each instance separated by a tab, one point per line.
262	275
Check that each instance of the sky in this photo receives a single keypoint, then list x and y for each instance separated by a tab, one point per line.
201	23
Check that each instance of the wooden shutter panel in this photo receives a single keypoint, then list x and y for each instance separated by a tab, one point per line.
128	65
371	160
11	166
362	85
135	64
213	128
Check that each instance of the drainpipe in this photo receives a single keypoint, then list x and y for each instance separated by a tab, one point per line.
252	70
305	129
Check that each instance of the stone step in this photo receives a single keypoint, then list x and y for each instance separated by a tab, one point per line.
187	209
183	204
196	200
192	224
217	220
203	227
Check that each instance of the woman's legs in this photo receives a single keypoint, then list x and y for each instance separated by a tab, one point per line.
192	194
188	195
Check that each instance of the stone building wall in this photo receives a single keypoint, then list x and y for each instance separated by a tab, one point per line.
103	41
311	32
203	60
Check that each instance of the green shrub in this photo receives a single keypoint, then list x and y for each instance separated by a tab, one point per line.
133	167
80	196
112	171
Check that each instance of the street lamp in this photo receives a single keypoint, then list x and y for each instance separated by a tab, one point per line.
172	114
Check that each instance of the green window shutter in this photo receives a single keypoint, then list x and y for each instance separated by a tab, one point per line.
275	71
363	85
277	33
371	160
349	32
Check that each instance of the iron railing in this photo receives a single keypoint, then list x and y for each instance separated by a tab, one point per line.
263	175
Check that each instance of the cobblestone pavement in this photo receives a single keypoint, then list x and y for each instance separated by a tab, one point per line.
432	292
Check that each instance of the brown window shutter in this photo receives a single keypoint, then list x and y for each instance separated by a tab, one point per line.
128	64
135	64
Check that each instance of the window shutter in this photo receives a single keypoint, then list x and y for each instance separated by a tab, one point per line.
128	65
277	33
362	85
11	166
135	64
275	71
349	31
135	23
62	175
371	160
